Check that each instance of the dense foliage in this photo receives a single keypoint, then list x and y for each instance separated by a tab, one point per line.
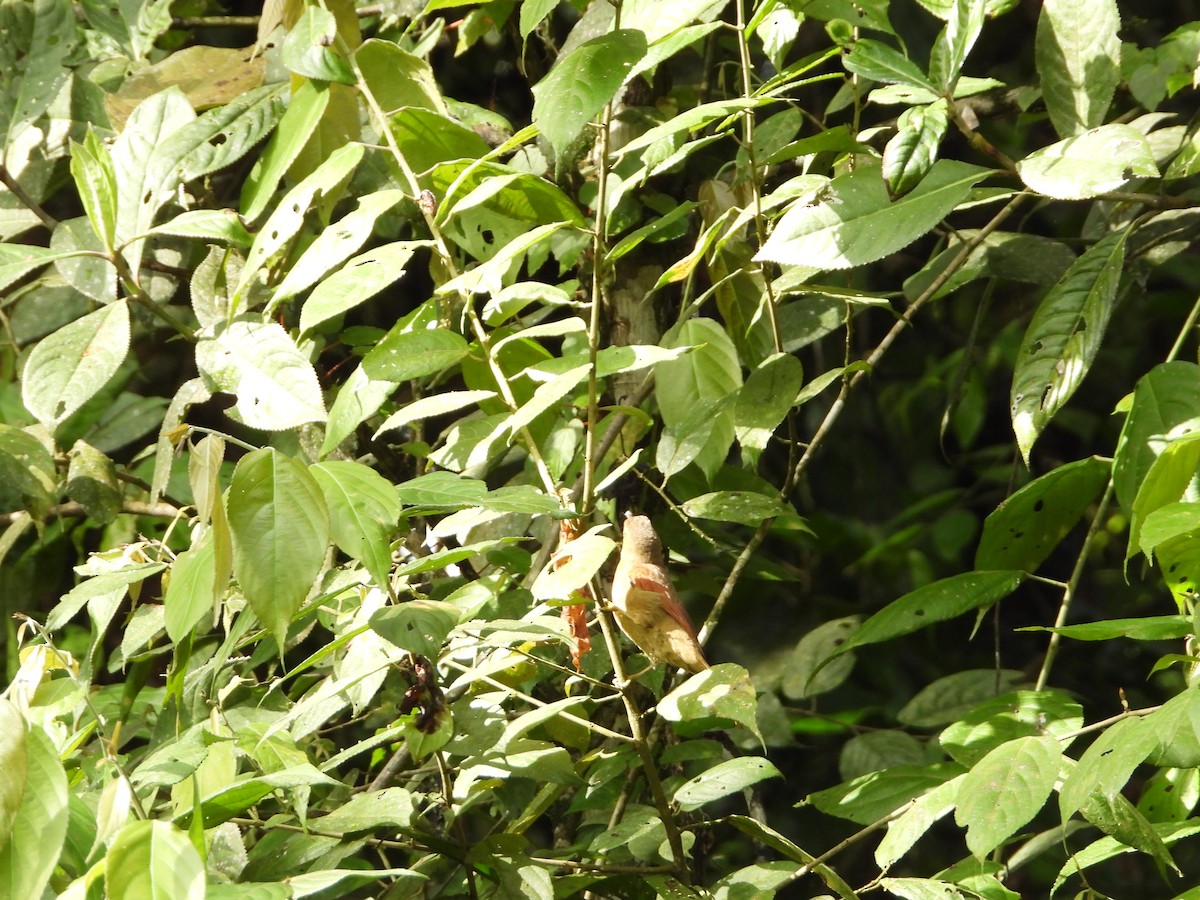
338	340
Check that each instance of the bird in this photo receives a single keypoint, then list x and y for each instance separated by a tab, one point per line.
645	603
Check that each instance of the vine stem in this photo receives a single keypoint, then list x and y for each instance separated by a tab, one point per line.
1068	595
835	411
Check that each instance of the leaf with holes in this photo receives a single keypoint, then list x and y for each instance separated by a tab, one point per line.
275	385
1023	530
1064	337
933	603
1107	765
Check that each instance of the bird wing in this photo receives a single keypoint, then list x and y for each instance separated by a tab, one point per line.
645	578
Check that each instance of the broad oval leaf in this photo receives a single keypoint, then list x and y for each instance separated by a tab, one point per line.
1064	337
725	691
1107	764
1006	789
258	362
418	626
581	83
1078	55
879	62
723	779
955	695
856	222
69	367
909	155
1023	530
39	826
1168	478
153	859
1089	164
363	511
308	49
689	390
743	507
404	355
764	400
280	529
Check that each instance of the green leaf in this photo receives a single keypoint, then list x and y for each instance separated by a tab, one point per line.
153	859
397	78
869	798
441	489
689	389
258	362
1166	404
434	405
298	124
963	26
1089	164
96	182
1064	337
743	507
764	400
582	82
92	482
907	828
14	764
190	590
26	469
308	49
288	218
1115	815
879	62
145	177
1078	54
936	602
856	222
1168	478
1107	765
357	281
804	676
357	399
723	779
39	37
363	512
335	244
1107	848
1148	628
418	626
723	692
69	367
18	260
952	696
404	355
1023	530
910	155
1005	790
280	529
999	720
39	825
1167	522
210	224
369	811
427	137
573	565
489	276
1174	725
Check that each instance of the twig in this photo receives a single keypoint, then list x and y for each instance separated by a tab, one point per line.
73	510
28	202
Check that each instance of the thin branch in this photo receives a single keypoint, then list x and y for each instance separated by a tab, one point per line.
73	510
6	178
